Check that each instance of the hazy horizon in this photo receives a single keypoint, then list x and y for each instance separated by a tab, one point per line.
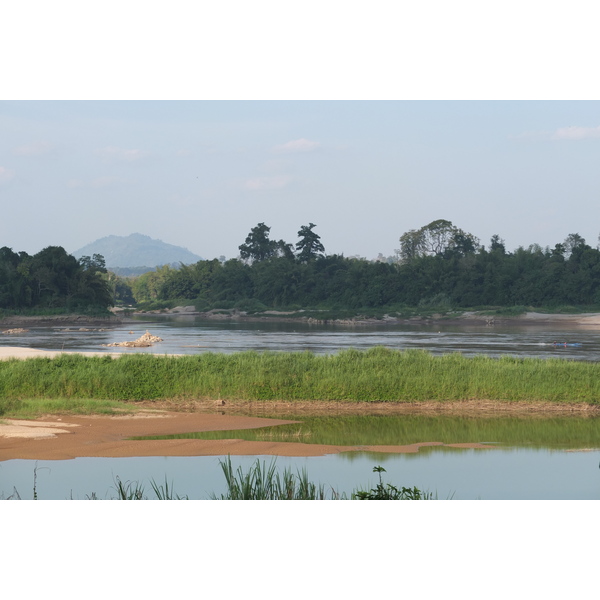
201	174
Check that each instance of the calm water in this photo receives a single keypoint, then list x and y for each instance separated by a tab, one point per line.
495	474
190	335
516	469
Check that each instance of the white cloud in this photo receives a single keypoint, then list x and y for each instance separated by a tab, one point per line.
301	145
122	154
33	149
6	175
74	183
267	183
576	133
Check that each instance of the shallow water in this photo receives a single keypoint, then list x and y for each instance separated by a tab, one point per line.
191	335
495	474
557	433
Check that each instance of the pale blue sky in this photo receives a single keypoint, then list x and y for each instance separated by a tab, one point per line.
201	173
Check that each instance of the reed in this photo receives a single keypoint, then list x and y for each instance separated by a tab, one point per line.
375	375
262	482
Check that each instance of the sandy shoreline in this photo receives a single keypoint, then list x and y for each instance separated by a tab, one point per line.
67	437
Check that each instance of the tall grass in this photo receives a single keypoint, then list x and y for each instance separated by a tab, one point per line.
375	375
262	482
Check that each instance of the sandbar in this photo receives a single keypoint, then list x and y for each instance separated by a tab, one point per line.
63	438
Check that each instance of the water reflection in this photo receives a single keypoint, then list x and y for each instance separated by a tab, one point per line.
564	433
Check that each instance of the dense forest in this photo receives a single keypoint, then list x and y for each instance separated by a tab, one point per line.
52	279
436	266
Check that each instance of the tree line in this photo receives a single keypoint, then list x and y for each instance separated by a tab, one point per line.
53	279
436	265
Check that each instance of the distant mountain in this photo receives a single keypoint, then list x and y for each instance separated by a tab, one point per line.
137	250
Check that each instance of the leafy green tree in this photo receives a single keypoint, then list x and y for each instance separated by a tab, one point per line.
438	238
573	241
497	244
309	247
96	263
412	245
258	246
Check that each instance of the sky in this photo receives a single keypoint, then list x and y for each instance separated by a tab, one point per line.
200	174
194	126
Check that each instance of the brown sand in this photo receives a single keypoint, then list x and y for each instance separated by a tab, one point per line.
59	438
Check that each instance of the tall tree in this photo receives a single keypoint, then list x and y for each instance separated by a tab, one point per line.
573	241
438	238
309	247
258	246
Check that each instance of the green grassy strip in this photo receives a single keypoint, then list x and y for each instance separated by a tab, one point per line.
379	374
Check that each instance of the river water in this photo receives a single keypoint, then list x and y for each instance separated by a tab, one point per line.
190	335
551	469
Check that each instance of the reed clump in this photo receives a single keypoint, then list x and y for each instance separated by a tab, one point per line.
375	375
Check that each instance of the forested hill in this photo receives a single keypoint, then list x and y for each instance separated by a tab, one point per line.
137	250
437	265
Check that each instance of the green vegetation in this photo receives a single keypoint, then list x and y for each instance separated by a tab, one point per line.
394	430
375	375
439	268
266	483
54	281
33	408
390	492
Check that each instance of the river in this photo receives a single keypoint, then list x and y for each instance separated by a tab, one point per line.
511	468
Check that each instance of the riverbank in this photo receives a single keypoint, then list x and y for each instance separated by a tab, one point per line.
25	321
584	320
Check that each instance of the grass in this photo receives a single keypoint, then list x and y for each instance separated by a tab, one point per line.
375	375
262	482
33	408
